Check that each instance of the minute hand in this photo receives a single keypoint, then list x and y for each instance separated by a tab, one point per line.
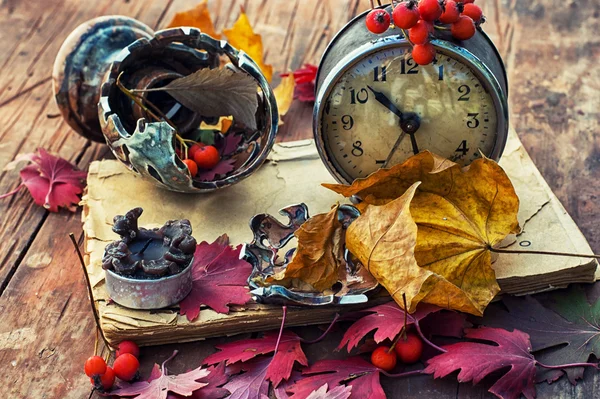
383	100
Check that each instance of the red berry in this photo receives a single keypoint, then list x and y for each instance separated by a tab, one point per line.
193	168
126	366
409	350
105	381
193	149
130	346
406	15
430	10
463	29
473	11
207	157
423	54
95	365
383	358
378	21
468	1
451	13
419	34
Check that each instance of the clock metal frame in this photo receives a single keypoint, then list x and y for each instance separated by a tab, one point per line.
354	43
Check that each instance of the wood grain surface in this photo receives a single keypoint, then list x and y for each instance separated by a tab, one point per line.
552	52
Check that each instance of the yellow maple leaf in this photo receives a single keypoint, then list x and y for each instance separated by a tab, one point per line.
319	255
459	213
242	37
197	17
284	95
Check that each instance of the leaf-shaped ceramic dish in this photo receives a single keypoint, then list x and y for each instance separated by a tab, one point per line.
269	253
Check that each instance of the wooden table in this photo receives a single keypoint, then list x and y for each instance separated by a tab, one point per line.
552	53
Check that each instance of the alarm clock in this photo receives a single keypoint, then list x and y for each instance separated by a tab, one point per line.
375	107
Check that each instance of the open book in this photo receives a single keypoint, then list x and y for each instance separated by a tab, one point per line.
293	174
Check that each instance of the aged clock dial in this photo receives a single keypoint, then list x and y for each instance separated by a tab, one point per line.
385	108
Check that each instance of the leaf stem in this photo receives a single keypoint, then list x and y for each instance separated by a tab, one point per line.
518	251
12	192
400	375
314	341
175	352
563	366
428	342
90	293
284	308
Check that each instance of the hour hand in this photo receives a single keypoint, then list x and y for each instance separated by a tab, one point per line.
383	100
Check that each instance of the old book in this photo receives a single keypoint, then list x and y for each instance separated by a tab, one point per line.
293	174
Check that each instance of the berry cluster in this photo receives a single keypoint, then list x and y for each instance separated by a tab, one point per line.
408	349
125	367
421	18
199	156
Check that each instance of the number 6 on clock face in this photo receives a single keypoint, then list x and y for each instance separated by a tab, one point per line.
376	107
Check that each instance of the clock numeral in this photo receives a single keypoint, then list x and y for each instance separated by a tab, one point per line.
441	72
411	64
357	151
361	97
348	122
473	122
464	90
380	77
463	148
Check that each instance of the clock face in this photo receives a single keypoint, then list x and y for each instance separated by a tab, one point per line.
385	108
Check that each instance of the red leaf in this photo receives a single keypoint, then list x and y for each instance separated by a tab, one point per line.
305	82
334	372
253	383
222	168
52	181
280	369
231	142
160	384
387	319
219	279
476	360
446	323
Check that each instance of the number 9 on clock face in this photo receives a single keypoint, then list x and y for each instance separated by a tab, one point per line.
382	108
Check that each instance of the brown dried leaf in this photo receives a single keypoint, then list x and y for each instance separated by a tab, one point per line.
459	214
319	255
198	17
217	92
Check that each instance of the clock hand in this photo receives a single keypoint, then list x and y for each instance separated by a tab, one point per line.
409	123
383	100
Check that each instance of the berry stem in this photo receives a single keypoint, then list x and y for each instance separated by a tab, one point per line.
284	308
563	366
438	27
400	375
90	294
525	252
428	342
314	341
405	34
159	115
12	192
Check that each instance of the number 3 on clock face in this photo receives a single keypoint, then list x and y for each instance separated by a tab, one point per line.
360	128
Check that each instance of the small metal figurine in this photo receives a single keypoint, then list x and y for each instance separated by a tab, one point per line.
270	236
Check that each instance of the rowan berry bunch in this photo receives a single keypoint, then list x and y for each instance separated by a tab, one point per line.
421	19
125	367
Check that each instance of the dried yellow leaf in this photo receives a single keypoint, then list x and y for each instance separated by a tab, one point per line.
459	214
242	37
319	255
198	17
284	95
